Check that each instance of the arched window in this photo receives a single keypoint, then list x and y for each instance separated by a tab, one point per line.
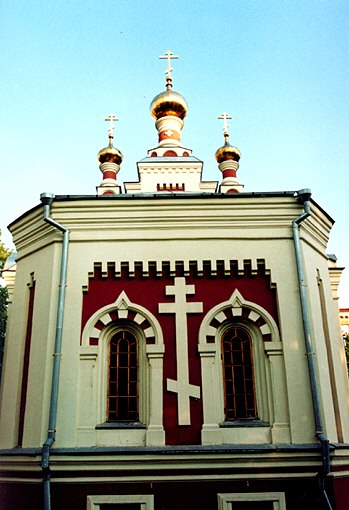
122	404
238	375
244	387
121	377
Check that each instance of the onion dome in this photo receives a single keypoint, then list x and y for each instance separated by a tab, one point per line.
169	109
228	158
110	154
227	151
110	160
169	103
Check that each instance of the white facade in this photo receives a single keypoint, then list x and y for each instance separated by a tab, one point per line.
223	228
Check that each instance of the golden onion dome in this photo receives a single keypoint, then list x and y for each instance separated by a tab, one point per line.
168	103
227	152
110	154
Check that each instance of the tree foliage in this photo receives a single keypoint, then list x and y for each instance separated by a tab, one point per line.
3	316
4	254
346	347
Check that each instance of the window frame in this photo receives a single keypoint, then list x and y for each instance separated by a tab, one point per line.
226	500
142	374
263	412
231	368
113	387
146	501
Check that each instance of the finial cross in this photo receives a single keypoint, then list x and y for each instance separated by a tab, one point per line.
111	118
169	55
225	116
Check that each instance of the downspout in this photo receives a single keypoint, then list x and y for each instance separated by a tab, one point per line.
304	195
47	199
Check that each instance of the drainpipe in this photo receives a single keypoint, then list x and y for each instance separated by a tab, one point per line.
47	199
304	195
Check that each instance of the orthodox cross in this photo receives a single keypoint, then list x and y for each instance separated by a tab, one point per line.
181	308
225	116
111	118
169	55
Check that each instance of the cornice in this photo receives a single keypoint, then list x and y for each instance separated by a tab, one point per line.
183	217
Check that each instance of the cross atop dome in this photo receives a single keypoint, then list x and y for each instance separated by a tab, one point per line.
111	118
225	116
169	56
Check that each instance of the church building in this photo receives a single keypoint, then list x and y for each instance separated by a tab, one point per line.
173	343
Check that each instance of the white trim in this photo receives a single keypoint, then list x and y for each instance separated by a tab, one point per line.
103	370
270	382
122	305
226	501
146	501
236	302
94	377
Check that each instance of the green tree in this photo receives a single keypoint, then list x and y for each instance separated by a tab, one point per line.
4	254
346	347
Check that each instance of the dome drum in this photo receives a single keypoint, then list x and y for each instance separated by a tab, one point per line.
109	182
169	129
229	180
229	165
109	170
109	166
169	135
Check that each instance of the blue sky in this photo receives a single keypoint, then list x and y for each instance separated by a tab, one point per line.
280	68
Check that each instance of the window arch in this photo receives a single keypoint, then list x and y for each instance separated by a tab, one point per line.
123	380
238	374
121	331
261	414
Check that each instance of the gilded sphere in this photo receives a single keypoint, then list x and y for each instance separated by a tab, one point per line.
168	103
227	152
110	155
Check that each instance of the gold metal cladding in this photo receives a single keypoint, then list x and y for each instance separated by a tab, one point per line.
227	152
169	103
110	154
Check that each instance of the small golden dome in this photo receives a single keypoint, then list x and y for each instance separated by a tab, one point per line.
110	155
227	152
168	103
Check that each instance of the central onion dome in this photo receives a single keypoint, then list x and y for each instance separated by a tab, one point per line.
227	152
169	109
110	155
169	103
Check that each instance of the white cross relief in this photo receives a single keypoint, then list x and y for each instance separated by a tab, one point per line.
181	308
169	132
